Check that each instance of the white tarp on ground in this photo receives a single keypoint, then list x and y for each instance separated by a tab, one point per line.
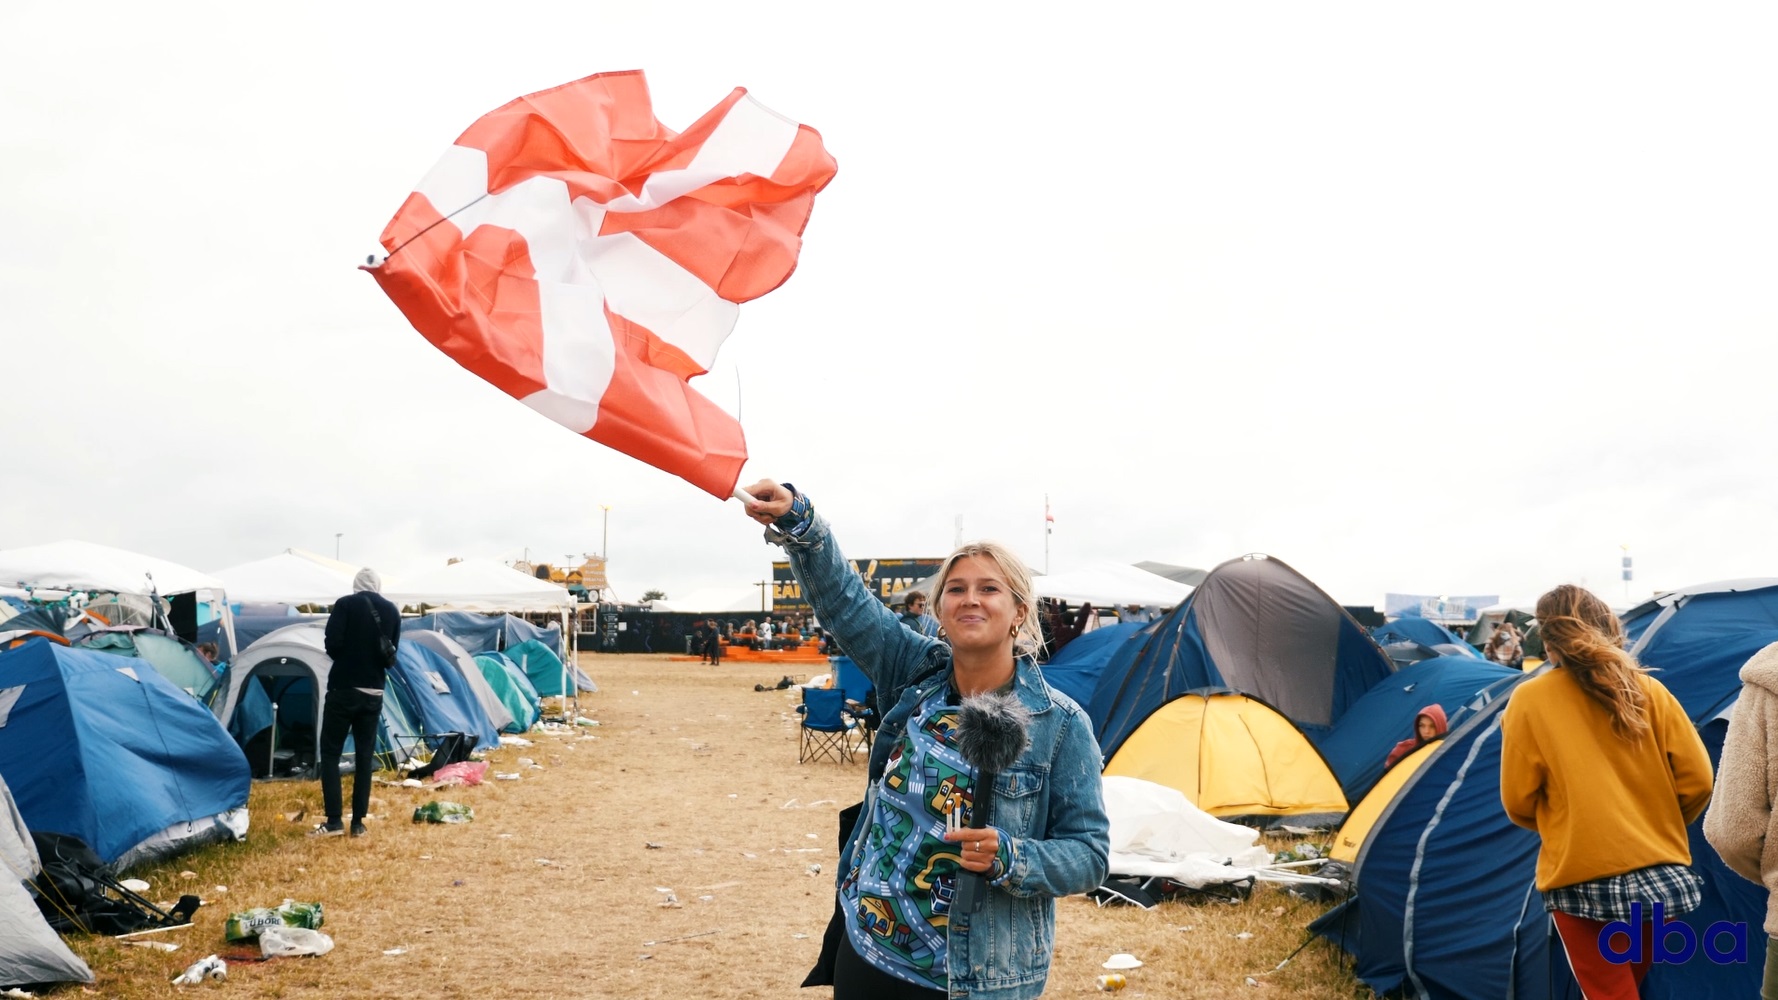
477	585
290	577
74	565
1156	831
29	951
1108	585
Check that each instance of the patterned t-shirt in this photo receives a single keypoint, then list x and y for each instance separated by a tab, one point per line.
905	874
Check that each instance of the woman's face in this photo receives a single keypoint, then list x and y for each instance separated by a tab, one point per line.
976	607
1424	728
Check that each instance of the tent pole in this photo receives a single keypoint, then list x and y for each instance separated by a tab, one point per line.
271	757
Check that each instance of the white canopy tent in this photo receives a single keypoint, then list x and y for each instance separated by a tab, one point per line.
478	585
290	577
1112	585
717	600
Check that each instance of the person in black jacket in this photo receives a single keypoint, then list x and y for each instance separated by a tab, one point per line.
356	633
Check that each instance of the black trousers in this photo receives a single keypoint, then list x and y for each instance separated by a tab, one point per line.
856	979
348	710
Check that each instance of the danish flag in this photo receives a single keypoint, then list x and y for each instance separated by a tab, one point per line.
588	261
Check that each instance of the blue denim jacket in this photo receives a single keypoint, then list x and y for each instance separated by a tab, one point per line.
1048	807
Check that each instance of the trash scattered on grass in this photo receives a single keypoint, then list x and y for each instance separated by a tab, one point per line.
581	720
670	902
1277	911
394	951
156	945
135	885
1252	981
248	924
16	992
651	845
748	854
285	942
813	869
547	863
188	874
515	741
442	811
220	890
202	969
1111	982
464	772
1122	961
798	937
412	783
1243	936
506	776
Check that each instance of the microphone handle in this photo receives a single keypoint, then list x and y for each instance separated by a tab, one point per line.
972	887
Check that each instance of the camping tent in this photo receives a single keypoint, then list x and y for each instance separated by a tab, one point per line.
1075	671
544	669
438	696
30	952
280	680
1446	905
1255	626
175	660
1358	746
448	650
1232	755
514	688
99	747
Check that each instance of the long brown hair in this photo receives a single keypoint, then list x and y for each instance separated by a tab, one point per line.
1584	638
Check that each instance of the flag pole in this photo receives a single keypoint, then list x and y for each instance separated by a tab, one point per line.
1046	534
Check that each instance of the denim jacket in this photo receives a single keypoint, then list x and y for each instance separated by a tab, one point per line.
1048	806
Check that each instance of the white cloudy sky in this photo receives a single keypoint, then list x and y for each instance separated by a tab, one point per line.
1416	298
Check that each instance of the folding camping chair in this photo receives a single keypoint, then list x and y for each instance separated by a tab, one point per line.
826	730
860	698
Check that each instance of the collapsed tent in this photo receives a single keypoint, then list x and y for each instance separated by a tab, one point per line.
1446	905
1157	832
101	748
30	952
1232	755
1258	628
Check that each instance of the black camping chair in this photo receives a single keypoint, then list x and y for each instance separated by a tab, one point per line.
76	892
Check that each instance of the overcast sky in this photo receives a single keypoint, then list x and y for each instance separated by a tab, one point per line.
1417	298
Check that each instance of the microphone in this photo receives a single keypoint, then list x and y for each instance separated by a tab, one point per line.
993	729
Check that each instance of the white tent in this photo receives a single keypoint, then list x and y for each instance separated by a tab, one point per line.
290	577
717	600
1112	585
72	565
30	952
478	585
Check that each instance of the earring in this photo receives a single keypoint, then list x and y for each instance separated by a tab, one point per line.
941	631
1013	633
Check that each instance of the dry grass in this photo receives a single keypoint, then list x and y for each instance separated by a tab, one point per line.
690	784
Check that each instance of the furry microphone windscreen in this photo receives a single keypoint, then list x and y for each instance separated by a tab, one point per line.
993	730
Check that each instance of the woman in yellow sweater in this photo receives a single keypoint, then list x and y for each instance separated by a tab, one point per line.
1601	761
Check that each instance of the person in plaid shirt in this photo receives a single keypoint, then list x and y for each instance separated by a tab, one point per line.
1602	762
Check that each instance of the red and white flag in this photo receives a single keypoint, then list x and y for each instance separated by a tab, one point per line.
588	261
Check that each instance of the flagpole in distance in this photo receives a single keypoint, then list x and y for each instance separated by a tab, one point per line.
1047	519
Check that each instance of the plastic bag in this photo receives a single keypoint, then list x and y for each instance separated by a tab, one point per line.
440	811
465	772
249	924
278	942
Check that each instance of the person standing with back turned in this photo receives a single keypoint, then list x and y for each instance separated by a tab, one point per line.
1602	762
356	631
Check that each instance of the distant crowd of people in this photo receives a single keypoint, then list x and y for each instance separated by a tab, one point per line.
712	638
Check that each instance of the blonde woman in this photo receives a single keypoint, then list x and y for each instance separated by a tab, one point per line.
920	837
1741	824
1602	762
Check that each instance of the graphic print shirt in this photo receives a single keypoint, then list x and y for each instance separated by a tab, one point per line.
899	893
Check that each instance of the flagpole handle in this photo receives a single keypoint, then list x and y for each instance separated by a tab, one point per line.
744	496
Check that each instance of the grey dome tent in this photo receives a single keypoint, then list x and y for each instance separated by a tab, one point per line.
30	952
